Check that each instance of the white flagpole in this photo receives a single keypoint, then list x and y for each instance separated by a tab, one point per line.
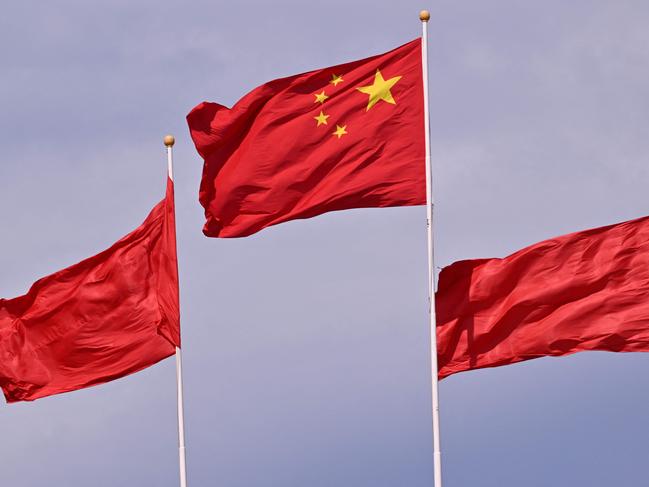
169	143
424	16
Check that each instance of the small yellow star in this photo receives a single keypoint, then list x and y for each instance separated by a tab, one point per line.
322	119
340	131
335	79
320	97
379	90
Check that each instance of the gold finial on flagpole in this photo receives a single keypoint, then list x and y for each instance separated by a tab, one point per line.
424	15
169	140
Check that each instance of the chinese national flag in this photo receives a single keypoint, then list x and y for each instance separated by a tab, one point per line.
583	291
108	316
348	136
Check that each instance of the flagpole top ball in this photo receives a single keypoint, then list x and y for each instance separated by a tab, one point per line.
169	140
424	15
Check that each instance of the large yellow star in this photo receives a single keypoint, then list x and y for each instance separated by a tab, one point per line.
320	97
379	90
340	131
321	119
335	79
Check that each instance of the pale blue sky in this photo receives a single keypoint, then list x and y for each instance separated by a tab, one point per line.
306	345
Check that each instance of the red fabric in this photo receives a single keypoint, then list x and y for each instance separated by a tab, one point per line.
584	291
103	318
267	161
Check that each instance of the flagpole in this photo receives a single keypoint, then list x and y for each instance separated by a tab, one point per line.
424	16
169	141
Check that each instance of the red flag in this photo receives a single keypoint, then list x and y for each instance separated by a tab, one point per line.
103	318
584	291
348	136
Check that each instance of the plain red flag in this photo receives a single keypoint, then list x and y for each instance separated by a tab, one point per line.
103	318
584	291
348	136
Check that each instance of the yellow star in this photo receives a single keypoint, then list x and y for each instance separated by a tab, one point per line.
379	90
322	118
320	97
340	131
335	79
